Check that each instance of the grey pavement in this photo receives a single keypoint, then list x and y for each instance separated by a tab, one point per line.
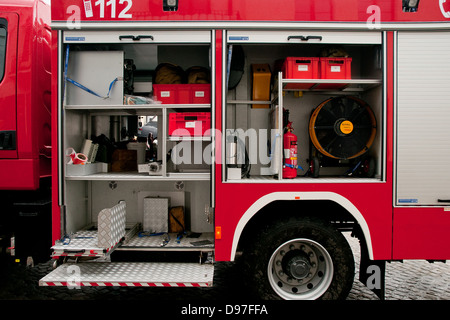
410	280
407	280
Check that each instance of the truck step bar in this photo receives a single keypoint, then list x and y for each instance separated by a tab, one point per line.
130	274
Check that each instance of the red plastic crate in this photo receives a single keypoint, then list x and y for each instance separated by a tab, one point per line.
200	93
192	124
335	68
182	93
300	68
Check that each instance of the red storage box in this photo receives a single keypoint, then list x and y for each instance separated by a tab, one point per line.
300	68
172	93
200	93
335	68
192	124
182	93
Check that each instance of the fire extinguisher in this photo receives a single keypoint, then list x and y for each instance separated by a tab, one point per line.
290	153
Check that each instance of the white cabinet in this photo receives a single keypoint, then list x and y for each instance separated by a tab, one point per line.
94	107
300	97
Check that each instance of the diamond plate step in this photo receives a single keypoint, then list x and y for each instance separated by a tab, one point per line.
131	274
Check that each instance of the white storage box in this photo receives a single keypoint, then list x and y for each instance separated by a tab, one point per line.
85	169
156	215
98	71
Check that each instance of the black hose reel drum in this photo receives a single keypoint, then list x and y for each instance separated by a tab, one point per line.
342	129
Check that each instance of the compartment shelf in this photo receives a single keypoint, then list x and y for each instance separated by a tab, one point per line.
349	85
135	176
202	242
180	138
136	106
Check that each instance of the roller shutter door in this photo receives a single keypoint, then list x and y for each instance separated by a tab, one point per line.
423	119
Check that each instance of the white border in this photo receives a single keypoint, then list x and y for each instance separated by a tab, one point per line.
120	25
299	196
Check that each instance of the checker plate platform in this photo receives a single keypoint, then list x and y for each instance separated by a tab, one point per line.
131	274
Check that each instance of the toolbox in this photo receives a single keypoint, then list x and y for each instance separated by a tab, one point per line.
156	215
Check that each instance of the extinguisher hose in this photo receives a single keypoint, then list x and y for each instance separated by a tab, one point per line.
246	166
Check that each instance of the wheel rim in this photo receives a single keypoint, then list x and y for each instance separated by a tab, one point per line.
300	269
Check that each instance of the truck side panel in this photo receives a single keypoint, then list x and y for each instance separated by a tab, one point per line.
8	126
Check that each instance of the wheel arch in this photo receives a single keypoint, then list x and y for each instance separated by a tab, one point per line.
288	203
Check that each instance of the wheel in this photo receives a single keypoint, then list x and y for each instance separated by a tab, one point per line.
301	259
314	167
368	167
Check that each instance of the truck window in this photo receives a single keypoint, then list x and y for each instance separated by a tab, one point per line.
2	49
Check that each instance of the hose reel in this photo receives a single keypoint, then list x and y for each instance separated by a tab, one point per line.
342	128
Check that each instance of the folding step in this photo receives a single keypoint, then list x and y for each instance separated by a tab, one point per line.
130	274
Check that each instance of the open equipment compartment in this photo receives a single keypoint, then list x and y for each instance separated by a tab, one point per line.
107	155
357	73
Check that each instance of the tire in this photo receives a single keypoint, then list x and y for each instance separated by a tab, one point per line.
314	167
300	259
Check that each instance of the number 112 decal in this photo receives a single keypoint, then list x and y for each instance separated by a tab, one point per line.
112	4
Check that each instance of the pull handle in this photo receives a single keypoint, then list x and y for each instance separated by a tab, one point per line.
303	38
443	200
135	38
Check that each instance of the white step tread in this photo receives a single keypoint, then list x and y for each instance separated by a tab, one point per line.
131	274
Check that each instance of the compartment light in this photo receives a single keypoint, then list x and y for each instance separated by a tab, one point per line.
410	5
170	5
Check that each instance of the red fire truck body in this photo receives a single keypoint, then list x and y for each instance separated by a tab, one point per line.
391	194
25	135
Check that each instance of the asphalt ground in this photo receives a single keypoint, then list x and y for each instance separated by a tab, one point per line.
409	280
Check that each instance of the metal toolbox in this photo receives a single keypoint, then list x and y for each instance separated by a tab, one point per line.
156	215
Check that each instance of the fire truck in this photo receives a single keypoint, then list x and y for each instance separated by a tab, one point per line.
279	127
25	129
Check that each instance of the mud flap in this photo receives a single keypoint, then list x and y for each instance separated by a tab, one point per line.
372	272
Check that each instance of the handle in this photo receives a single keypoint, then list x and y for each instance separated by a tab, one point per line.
74	251
443	200
303	38
135	38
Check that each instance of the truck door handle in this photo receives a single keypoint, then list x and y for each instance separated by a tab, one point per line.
443	200
303	38
135	38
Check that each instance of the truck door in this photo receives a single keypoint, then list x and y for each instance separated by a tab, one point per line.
423	115
8	75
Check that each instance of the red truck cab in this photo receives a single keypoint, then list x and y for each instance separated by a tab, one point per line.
25	133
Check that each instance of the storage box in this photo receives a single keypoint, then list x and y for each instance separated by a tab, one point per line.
335	68
300	68
176	219
124	160
261	76
156	215
192	124
85	169
182	93
200	93
97	71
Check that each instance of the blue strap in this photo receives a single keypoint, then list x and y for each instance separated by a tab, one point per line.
292	166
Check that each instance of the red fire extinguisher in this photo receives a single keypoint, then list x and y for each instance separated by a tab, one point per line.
290	153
